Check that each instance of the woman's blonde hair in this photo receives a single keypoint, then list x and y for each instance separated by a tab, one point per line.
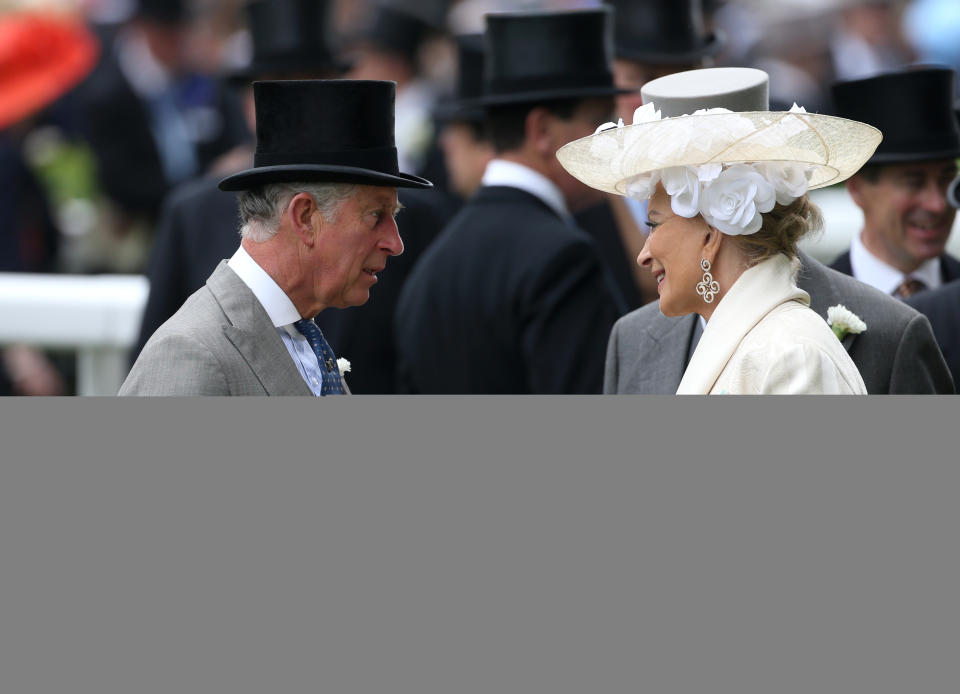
782	229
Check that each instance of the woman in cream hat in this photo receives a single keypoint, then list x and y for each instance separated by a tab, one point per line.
727	188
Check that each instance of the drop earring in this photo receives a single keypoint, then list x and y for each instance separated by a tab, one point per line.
707	287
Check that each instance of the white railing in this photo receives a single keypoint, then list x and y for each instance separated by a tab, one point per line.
96	315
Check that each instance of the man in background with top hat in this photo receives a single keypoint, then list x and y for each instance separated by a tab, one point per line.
512	297
902	189
463	136
648	352
652	38
317	226
388	47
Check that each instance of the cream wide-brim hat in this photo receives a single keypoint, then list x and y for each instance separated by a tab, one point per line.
835	148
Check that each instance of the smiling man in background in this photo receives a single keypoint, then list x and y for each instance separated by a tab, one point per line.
902	189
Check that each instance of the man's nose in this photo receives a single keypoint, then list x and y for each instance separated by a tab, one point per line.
392	243
934	198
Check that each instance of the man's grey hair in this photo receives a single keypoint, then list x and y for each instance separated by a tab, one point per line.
261	208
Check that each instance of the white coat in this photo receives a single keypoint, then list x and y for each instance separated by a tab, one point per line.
764	338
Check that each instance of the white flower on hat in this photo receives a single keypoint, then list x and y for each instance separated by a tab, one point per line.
641	187
734	201
791	181
684	185
646	113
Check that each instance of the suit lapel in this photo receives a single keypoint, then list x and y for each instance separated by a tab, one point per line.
823	292
273	367
663	349
949	268
254	336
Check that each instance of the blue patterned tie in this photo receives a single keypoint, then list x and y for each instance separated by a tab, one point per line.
332	385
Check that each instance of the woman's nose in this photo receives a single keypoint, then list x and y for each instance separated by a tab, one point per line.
643	260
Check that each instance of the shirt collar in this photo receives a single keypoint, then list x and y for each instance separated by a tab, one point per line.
500	172
870	269
278	306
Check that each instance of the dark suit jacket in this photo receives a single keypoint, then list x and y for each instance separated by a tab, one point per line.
897	353
942	307
509	299
598	221
364	334
949	266
199	228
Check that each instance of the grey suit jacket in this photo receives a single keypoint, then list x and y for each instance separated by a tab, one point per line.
220	342
648	352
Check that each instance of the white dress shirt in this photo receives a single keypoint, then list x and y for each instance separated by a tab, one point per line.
869	269
283	314
500	172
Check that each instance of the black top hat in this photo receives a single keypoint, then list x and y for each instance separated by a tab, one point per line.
663	32
289	36
913	108
541	56
396	31
462	106
324	130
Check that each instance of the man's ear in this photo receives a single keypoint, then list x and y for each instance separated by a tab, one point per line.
855	187
301	211
537	129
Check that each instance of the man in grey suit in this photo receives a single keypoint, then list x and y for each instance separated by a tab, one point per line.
648	352
317	225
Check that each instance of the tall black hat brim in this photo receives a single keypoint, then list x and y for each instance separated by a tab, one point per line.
258	176
244	76
710	46
459	111
951	152
530	97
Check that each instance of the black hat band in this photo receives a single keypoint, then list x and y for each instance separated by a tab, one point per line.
376	158
923	142
517	85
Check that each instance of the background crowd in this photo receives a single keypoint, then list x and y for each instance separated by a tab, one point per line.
138	108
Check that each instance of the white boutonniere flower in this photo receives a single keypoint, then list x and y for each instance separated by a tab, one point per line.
343	365
843	321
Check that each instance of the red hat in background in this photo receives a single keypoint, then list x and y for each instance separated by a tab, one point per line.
41	57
